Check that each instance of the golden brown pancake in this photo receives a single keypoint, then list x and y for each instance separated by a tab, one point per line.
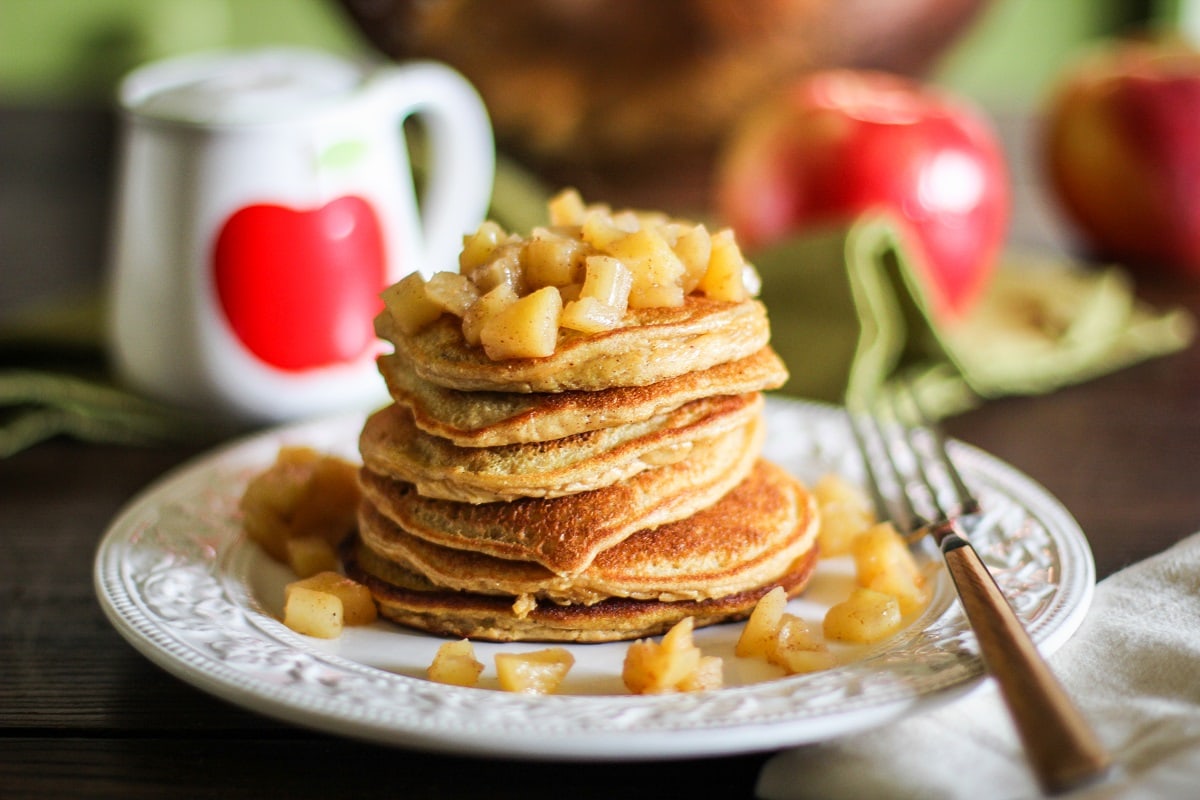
409	599
750	537
490	419
564	534
660	343
392	445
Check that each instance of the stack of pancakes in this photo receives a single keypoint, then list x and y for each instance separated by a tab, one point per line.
604	492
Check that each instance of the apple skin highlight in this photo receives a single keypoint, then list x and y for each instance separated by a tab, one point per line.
1121	149
841	143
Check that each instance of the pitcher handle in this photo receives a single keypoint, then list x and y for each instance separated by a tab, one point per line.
462	160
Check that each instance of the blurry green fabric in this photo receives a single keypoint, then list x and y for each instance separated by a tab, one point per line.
53	381
848	313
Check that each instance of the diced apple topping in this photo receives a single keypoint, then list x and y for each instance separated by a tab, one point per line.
600	262
301	508
309	555
479	247
797	650
322	604
452	292
551	259
673	665
845	512
409	304
455	663
883	562
358	607
488	307
313	613
758	634
783	639
539	672
525	328
724	278
607	280
864	617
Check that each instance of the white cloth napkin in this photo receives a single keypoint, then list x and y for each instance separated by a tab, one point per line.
1133	667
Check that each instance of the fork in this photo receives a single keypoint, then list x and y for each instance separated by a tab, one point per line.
1062	749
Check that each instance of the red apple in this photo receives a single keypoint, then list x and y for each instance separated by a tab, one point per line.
300	287
839	143
1122	148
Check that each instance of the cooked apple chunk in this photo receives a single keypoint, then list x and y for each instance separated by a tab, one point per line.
309	555
303	495
489	305
723	279
709	674
451	292
313	613
797	650
673	665
844	511
455	663
783	639
480	246
693	245
358	607
566	208
758	634
589	315
553	260
607	281
409	304
527	328
883	562
538	672
866	616
657	272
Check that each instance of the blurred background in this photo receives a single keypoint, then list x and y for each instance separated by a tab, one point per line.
73	51
61	59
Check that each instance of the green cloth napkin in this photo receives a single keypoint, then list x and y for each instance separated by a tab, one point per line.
53	381
847	314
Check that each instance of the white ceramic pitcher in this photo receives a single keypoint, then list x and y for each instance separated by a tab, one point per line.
264	199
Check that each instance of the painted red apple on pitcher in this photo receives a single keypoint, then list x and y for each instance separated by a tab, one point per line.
840	143
300	287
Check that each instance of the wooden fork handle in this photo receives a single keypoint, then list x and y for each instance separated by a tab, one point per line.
1062	749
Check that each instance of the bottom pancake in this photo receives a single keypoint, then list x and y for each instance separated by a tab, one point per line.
409	599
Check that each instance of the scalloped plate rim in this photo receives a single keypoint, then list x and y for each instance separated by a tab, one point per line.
574	727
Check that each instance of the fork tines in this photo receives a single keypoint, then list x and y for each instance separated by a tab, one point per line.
910	475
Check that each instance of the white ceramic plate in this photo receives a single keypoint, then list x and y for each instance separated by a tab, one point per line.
177	579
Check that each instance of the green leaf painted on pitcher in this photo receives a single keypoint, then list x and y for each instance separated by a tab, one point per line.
342	155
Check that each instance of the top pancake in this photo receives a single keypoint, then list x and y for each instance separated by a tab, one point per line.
491	419
659	343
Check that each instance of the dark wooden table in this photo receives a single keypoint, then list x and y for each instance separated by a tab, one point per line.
83	715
